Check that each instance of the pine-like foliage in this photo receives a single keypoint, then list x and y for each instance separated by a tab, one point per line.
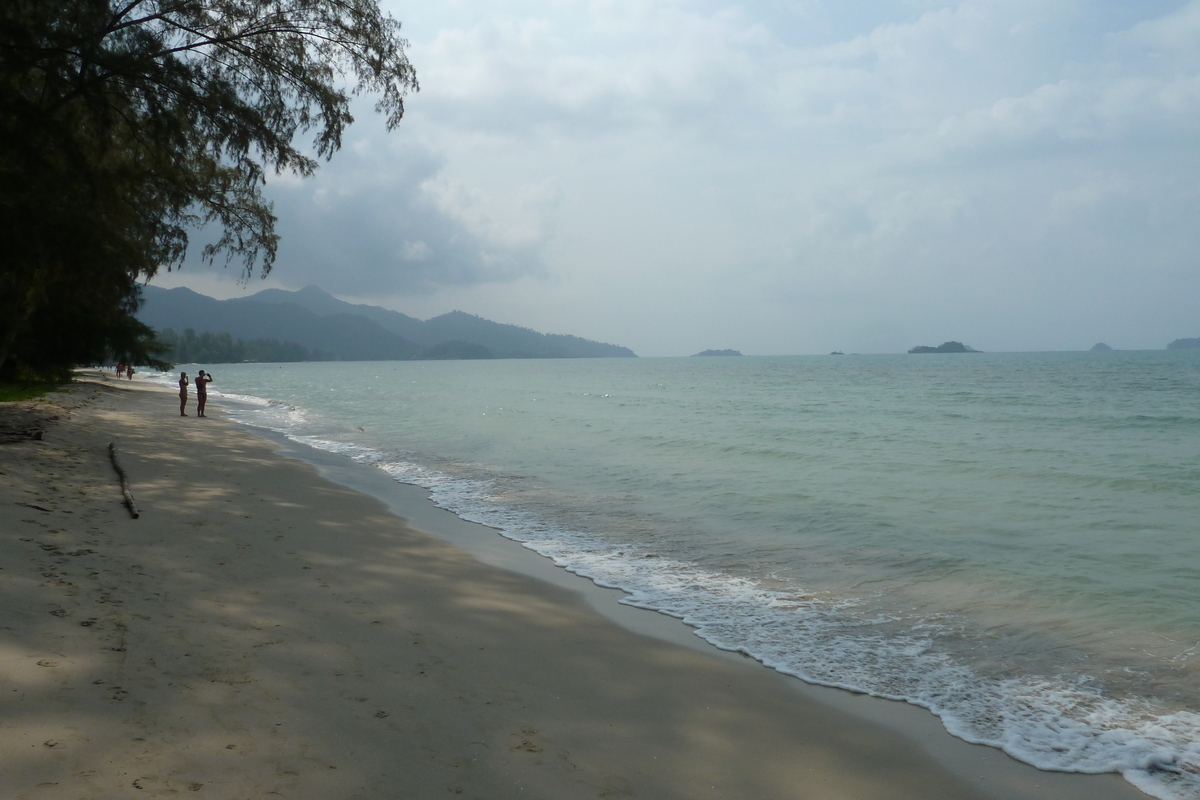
126	123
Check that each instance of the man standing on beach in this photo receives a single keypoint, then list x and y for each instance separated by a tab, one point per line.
202	381
183	384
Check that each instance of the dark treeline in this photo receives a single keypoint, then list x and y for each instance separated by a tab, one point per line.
221	348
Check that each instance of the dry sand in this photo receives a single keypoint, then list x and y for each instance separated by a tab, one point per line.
262	632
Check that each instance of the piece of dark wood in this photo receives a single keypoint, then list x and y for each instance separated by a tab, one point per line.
112	454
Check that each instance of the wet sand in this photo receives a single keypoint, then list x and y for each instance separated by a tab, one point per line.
262	631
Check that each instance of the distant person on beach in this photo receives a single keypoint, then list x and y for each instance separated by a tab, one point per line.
202	382
129	372
183	384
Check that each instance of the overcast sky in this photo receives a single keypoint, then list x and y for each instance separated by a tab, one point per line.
778	177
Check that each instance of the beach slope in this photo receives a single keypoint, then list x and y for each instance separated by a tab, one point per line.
260	631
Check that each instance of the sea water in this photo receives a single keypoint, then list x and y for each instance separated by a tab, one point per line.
1009	540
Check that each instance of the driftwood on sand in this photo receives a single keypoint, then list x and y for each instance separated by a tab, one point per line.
112	454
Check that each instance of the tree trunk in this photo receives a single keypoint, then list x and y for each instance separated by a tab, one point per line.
22	308
6	343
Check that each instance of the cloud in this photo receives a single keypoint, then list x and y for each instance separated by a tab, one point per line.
370	221
816	175
415	251
1177	32
377	219
1071	115
615	65
516	219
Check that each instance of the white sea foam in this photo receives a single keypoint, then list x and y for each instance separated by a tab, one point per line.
1056	723
248	399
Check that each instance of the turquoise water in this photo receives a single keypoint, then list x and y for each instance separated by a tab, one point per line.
1011	540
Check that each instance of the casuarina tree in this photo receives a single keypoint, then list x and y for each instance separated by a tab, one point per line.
126	123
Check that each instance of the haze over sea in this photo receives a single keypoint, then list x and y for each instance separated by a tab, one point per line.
1010	539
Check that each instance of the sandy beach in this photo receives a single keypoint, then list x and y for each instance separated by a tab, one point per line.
262	631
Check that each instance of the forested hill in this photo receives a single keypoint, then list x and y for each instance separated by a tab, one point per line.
320	322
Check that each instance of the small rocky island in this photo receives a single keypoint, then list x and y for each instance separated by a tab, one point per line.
1099	347
945	347
717	353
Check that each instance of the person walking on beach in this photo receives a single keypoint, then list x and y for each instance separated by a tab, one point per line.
183	384
202	382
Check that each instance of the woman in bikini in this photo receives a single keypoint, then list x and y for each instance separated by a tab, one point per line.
183	384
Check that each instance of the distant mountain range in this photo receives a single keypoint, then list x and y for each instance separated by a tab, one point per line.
321	323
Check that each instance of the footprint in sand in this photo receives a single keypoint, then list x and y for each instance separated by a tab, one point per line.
526	741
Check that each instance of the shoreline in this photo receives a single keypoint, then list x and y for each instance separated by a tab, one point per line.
262	628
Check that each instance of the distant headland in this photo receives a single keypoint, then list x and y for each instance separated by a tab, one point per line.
717	353
945	347
312	325
1184	344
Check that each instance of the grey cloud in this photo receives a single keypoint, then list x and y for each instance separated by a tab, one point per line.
660	67
1011	173
365	225
388	237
